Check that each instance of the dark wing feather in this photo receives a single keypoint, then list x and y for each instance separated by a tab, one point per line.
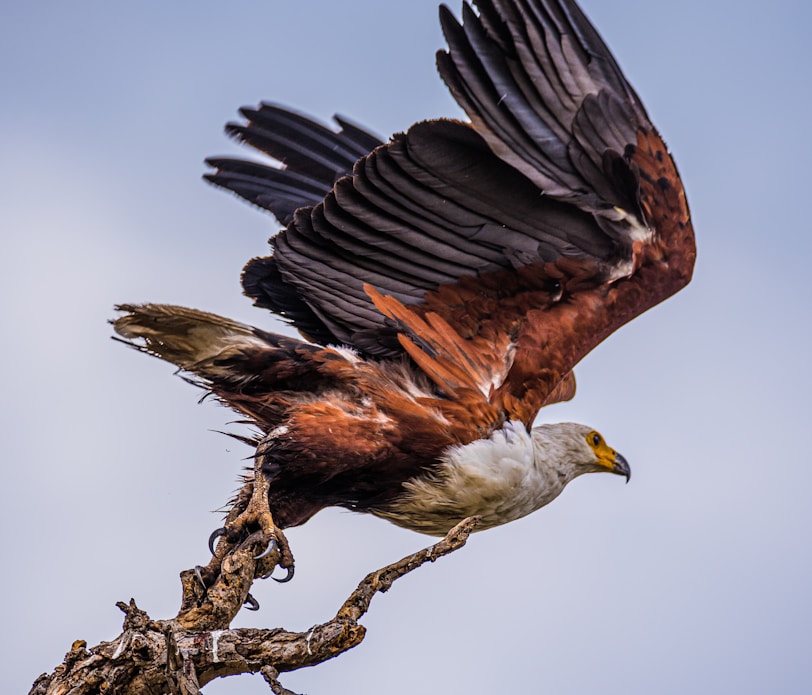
429	208
313	158
518	242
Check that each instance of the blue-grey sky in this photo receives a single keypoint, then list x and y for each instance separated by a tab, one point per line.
693	578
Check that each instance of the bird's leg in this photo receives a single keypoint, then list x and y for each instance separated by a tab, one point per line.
250	522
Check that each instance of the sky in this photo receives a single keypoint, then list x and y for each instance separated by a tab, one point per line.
693	578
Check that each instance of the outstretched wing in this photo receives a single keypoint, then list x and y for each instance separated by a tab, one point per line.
497	253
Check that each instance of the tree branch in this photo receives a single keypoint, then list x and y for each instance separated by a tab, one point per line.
181	655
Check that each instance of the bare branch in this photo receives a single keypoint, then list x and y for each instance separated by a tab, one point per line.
181	655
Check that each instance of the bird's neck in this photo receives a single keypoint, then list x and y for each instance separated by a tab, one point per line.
552	454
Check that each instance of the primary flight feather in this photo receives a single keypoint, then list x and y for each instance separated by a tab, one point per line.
446	282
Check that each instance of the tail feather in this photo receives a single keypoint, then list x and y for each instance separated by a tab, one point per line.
256	373
196	341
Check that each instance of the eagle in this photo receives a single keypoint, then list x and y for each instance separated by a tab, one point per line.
445	282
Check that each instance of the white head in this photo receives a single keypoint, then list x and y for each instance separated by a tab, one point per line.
570	449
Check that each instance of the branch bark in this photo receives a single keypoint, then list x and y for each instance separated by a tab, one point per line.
181	655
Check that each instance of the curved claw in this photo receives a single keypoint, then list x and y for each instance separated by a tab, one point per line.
286	578
250	603
267	551
217	533
199	575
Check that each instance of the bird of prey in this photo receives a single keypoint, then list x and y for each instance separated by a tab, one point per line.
445	282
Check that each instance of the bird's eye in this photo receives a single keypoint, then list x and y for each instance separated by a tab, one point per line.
596	439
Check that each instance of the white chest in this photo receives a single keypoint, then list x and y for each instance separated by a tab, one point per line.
499	479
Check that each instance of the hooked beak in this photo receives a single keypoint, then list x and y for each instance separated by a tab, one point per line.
621	467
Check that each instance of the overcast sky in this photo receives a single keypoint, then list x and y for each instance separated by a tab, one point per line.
694	578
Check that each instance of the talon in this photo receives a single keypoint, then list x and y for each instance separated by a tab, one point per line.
251	513
250	603
286	578
199	575
217	533
271	547
248	540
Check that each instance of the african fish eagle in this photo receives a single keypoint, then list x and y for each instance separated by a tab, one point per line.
445	282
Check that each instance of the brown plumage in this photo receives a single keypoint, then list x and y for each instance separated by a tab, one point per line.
467	267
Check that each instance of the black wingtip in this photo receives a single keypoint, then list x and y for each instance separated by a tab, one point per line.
448	22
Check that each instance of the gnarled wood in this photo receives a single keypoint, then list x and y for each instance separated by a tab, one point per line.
181	655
